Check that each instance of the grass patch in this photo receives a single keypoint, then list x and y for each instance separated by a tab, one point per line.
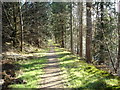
80	75
31	70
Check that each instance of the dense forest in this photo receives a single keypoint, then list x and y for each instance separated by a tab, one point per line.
88	30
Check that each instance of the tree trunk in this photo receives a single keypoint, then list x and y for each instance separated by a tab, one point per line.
118	61
65	35
80	12
21	27
62	43
15	25
71	31
88	32
65	40
102	47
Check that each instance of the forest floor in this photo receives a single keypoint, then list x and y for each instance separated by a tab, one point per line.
80	75
53	74
57	68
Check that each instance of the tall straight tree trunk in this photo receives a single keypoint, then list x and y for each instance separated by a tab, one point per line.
21	27
15	25
88	32
101	33
62	37
78	41
118	61
80	12
71	30
65	38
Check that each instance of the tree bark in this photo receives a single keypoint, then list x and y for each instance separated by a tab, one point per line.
118	61
102	47
21	27
62	43
88	32
15	25
80	12
71	30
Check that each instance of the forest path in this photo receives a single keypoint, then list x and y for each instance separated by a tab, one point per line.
53	75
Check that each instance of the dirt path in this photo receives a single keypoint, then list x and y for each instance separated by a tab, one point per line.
53	76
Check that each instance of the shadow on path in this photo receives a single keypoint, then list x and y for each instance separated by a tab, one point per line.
53	75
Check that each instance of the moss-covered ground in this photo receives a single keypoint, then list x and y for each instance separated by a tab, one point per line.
82	76
77	73
31	71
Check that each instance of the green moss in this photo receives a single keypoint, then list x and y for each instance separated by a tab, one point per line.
31	69
80	75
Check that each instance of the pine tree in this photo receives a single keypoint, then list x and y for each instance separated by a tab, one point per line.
88	32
